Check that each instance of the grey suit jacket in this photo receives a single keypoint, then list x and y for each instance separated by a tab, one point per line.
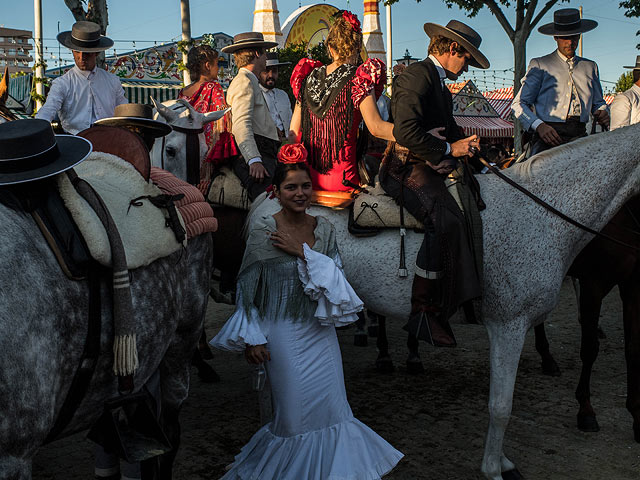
546	90
249	113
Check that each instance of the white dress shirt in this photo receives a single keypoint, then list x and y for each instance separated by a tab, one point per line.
625	109
279	107
79	98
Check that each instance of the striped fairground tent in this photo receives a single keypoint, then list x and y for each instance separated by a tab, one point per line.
140	92
501	99
486	127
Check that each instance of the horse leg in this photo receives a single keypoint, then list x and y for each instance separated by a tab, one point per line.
505	349
372	329
549	365
383	362
414	363
15	468
589	307
206	373
360	338
631	314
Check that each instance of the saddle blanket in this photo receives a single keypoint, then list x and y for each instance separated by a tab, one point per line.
227	190
143	227
196	212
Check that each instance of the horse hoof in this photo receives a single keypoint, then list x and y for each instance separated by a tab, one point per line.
384	365
415	367
512	475
550	367
360	340
207	374
372	330
588	423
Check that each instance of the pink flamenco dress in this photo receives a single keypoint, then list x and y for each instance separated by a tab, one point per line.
220	144
331	116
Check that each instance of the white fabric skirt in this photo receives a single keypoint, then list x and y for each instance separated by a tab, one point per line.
313	435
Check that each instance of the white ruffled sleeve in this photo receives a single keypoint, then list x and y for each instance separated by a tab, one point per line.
324	281
242	329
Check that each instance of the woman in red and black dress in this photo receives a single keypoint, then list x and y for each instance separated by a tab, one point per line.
332	100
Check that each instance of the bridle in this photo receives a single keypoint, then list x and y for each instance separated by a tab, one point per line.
192	152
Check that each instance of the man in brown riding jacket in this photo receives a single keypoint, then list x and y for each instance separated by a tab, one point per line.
429	146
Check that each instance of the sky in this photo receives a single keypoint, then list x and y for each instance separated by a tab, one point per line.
612	44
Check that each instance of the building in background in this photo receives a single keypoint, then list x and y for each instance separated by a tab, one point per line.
407	59
15	50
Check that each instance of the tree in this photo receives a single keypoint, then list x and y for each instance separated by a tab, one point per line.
625	82
96	12
293	54
633	10
526	21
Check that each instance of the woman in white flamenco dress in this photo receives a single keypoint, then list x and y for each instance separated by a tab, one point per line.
290	298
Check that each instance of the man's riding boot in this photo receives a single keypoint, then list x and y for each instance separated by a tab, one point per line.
425	321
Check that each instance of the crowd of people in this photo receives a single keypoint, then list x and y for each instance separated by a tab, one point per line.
292	291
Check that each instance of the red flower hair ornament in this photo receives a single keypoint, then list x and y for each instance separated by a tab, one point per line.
292	153
352	19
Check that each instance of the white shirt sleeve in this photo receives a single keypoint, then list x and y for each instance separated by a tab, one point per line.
55	99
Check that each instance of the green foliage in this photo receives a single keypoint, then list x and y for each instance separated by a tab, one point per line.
632	10
625	82
293	54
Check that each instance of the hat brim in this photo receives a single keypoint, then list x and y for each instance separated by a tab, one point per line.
66	39
154	127
478	60
234	47
276	64
634	67
586	25
73	150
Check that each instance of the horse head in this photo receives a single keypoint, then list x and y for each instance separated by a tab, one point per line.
171	152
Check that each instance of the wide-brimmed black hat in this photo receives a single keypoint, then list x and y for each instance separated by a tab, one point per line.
465	36
248	40
636	66
136	115
566	23
85	37
30	151
274	61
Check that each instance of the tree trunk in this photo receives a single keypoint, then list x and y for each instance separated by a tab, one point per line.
520	68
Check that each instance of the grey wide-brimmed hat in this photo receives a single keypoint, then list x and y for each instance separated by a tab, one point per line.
566	23
636	66
85	37
274	61
248	40
136	115
465	36
30	151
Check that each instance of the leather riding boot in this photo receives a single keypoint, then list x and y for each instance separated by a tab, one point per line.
425	321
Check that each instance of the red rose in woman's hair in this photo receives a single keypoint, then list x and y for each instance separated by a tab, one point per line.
292	153
352	19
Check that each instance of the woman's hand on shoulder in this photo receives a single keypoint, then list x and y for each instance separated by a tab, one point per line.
257	354
287	243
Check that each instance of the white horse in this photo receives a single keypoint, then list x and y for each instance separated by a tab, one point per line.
527	252
170	154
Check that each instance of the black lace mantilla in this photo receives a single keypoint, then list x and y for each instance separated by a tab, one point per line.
322	89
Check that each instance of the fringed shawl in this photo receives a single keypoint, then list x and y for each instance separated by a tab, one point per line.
268	280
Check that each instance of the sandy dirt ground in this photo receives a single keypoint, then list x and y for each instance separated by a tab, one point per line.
437	419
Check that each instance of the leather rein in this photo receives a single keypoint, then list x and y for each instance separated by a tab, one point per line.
552	209
193	152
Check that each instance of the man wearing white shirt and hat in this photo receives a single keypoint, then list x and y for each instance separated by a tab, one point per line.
277	99
85	93
561	90
625	109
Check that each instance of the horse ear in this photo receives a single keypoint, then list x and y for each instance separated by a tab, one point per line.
165	112
215	115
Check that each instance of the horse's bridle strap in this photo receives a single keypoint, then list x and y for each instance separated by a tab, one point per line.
552	209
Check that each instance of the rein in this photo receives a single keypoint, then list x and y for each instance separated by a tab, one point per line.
193	152
552	209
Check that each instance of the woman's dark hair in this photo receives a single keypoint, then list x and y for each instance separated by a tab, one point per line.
283	168
197	57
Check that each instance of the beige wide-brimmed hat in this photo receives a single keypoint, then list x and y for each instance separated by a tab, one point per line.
273	60
248	40
465	36
636	66
85	37
566	23
136	115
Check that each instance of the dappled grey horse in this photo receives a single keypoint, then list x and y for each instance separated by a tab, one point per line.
43	327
